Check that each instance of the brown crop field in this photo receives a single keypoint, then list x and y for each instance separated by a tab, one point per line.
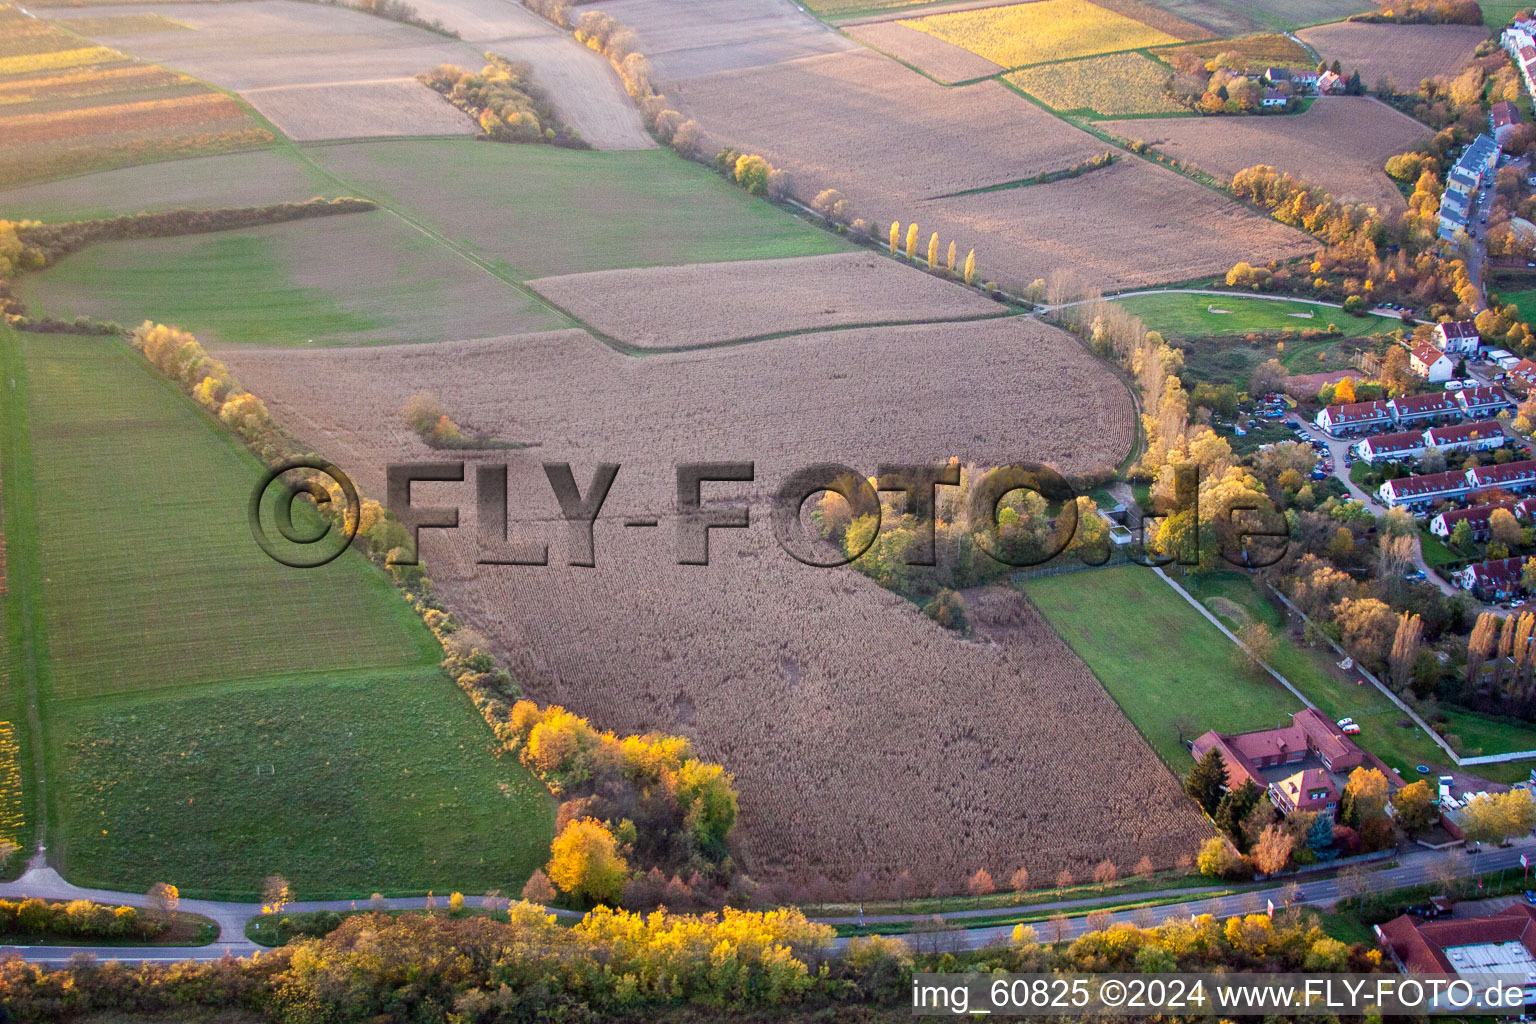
883	135
357	109
125	25
66	107
704	303
1406	53
862	736
1129	225
1260	51
1114	85
684	40
1340	144
944	61
361	69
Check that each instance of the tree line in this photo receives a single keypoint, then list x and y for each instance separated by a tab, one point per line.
504	101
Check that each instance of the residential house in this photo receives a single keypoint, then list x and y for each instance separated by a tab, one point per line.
1482	436
1311	735
1423	408
1452	222
1329	84
1273	98
1421	491
1461	181
1309	790
1408	444
1354	417
1431	363
1457	338
1483	402
1522	377
1503	120
1305	79
1478	519
1496	580
1514	477
1277	76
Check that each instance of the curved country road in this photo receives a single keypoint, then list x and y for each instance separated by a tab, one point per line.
1411	868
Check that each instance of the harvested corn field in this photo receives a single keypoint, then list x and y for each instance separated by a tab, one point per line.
1128	225
354	110
704	303
1405	53
879	133
1040	31
743	655
1340	144
683	40
1115	85
944	61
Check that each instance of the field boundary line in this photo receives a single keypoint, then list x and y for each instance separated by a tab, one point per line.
1213	620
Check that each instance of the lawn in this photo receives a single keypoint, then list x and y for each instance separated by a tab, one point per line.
1498	13
1040	31
1480	734
1436	553
1183	315
1114	85
173	663
357	278
345	784
1227	18
1158	657
153	578
539	210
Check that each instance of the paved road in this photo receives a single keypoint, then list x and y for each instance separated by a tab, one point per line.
1412	868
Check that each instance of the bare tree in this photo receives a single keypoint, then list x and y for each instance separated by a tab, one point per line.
1449	871
164	898
1058	926
275	894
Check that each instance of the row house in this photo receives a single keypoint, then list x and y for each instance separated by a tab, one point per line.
1479	519
1457	338
1354	417
1407	444
1421	491
1482	436
1495	580
1423	408
1484	402
1512	476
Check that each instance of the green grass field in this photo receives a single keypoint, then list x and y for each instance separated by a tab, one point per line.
1181	315
172	661
344	784
1498	13
1158	657
534	211
357	278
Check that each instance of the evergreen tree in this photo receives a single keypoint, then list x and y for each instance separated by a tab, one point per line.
1234	807
1207	781
1320	838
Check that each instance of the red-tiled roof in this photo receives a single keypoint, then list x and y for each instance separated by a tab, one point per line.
1401	441
1486	476
1297	789
1353	412
1477	516
1428	483
1504	114
1439	402
1482	396
1463	432
1458	328
1328	739
1426	354
1498	568
1420	945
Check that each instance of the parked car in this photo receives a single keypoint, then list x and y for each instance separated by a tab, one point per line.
1345	721
1429	910
1351	730
1417	576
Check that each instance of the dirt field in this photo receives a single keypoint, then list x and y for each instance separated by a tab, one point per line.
684	42
751	654
237	179
944	61
883	135
359	109
674	307
1340	144
1130	224
1408	53
267	48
